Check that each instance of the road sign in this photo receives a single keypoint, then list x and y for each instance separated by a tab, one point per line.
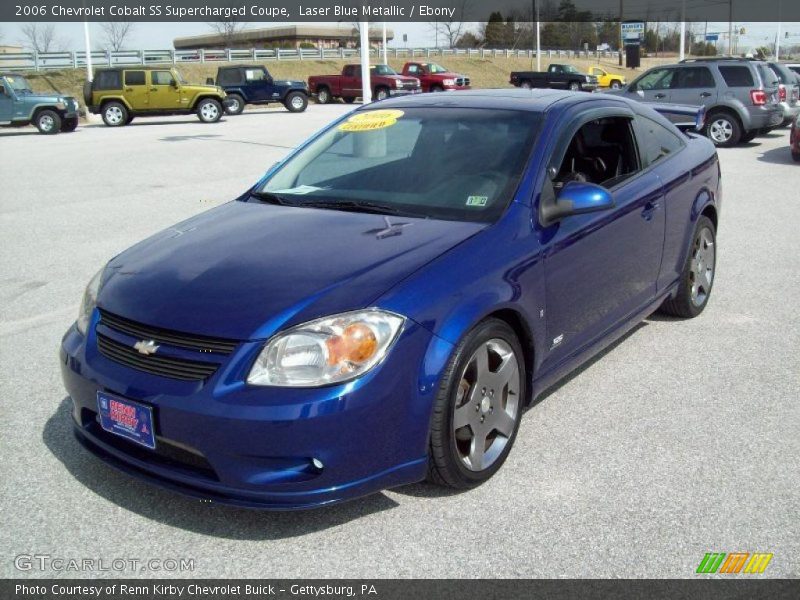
712	37
632	30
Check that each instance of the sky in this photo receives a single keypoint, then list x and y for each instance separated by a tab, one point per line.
155	36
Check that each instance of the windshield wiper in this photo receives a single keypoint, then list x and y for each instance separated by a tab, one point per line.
271	198
365	207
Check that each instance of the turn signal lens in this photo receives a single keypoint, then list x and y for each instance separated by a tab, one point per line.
357	344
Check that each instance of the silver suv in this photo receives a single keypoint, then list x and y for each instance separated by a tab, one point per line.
740	95
788	91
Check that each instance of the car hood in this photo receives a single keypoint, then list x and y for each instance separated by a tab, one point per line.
245	269
401	78
448	75
47	98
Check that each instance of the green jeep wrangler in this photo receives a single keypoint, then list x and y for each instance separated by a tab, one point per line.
19	106
122	93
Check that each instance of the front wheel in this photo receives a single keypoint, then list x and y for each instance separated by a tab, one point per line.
381	93
796	156
209	110
478	408
48	122
437	88
69	125
697	277
349	99
296	102
574	86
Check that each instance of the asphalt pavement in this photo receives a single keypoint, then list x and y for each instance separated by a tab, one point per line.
682	439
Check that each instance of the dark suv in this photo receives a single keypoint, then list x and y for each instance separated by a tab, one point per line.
740	95
253	84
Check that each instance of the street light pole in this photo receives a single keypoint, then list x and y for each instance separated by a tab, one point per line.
366	87
621	41
88	46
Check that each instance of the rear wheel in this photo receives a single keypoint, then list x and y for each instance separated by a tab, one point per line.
697	278
296	102
115	114
235	104
478	408
69	125
209	110
526	85
796	156
324	95
616	84
723	129
47	122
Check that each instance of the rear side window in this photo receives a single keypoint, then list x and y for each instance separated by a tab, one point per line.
655	140
768	76
229	77
134	77
107	80
693	77
737	76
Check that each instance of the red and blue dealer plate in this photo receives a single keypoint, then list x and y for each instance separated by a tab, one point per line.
127	419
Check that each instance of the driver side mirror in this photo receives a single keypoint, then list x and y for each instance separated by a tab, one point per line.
577	198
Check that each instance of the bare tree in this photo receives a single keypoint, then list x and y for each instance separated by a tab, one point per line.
40	37
227	29
451	29
116	33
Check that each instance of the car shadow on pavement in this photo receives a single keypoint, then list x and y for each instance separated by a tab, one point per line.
426	490
186	513
778	156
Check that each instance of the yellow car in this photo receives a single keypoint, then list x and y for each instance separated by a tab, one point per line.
606	79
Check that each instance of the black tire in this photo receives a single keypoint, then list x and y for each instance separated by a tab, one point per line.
437	88
349	99
748	136
115	114
574	86
47	122
209	110
682	304
445	463
381	93
295	102
796	156
129	120
235	104
732	124
69	125
615	84
324	95
525	84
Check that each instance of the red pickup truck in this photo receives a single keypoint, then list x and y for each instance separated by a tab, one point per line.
435	78
384	80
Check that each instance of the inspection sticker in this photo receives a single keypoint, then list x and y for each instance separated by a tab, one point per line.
372	120
477	200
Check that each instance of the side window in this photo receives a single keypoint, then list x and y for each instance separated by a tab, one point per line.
108	80
656	141
693	77
413	69
162	78
229	77
602	151
736	76
658	79
254	75
349	71
134	77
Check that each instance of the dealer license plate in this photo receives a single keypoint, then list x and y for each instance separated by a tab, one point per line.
127	419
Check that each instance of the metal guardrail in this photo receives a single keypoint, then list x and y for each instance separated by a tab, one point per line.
38	61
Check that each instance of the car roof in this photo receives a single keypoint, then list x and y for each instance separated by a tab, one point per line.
254	66
533	100
136	68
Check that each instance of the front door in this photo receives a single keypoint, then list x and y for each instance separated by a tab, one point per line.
602	267
6	104
258	85
653	86
137	92
164	92
351	81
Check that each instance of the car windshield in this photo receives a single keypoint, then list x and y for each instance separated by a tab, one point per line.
18	84
570	69
434	68
445	163
382	70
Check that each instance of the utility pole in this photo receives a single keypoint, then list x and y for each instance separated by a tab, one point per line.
385	51
682	52
730	27
778	35
88	45
366	87
621	41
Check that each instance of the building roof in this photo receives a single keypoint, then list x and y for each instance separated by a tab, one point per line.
266	34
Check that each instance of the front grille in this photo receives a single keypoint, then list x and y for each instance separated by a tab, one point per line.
175	368
463	81
166	336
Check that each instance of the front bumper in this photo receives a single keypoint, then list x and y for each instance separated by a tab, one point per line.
225	441
404	91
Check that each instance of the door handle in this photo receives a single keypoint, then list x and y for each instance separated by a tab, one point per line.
705	95
152	89
659	95
649	209
128	89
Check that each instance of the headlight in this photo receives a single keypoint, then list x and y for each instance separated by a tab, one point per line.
448	82
61	105
89	301
398	83
325	351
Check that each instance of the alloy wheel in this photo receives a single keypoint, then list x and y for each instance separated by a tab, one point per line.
297	102
114	115
209	111
701	269
234	105
720	130
487	405
382	95
46	123
573	86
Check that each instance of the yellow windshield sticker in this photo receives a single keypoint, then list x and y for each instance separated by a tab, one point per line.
372	120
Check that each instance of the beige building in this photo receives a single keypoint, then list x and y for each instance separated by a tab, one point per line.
291	36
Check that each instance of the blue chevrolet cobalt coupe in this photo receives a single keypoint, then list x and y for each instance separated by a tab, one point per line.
385	303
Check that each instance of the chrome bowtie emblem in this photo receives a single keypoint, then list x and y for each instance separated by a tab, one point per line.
146	347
